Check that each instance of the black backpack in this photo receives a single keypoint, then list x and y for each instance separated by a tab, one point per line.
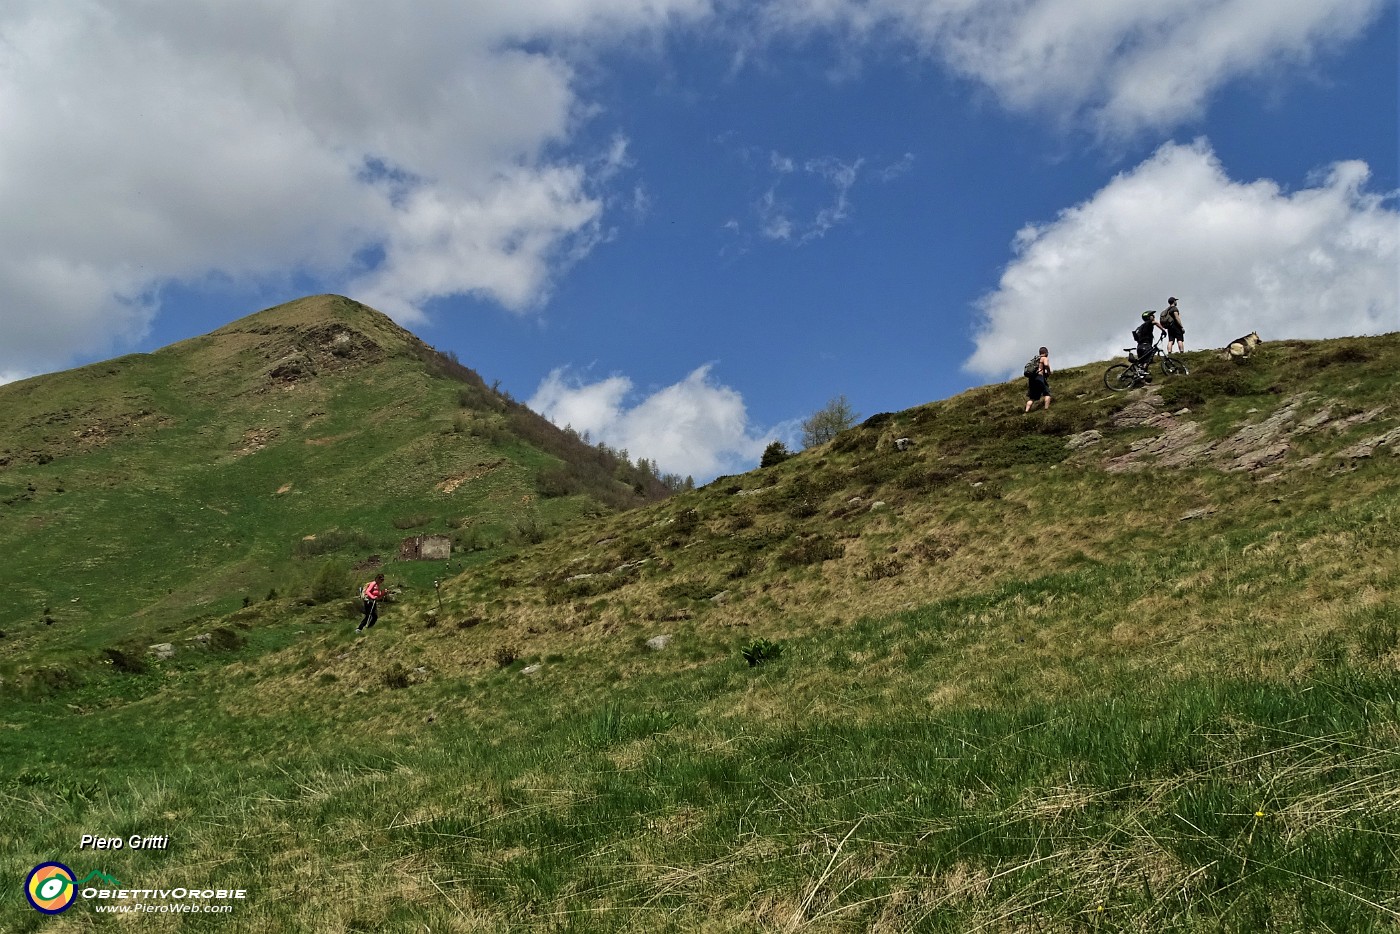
1032	366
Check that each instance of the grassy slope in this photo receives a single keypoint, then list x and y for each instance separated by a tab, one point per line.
1023	694
149	490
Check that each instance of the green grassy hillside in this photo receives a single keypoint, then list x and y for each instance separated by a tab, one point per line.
152	489
1129	665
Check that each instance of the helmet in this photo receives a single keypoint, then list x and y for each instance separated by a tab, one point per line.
1148	314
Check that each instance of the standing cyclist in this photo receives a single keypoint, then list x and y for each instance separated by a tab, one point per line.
1176	334
1143	335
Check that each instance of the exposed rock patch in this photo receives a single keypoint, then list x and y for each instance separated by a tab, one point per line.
451	484
1143	412
255	439
1084	439
1368	447
299	354
1252	447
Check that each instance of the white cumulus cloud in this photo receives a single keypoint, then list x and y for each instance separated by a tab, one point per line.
1123	65
171	140
696	427
1321	261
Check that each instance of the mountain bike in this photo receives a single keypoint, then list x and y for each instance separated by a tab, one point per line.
1124	376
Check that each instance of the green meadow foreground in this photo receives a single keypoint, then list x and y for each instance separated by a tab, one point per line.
1129	665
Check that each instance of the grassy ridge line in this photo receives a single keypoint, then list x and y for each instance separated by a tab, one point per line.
987	493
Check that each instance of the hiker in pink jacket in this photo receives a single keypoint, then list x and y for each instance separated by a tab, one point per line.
371	594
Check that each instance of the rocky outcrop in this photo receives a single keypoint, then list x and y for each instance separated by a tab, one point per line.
1253	447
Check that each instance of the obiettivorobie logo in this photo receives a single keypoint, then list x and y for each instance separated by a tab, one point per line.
51	887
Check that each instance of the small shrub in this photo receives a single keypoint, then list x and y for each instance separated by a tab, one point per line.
1183	393
395	677
505	656
331	583
936	548
128	660
223	639
415	521
529	531
774	454
878	420
746	565
740	521
761	651
812	550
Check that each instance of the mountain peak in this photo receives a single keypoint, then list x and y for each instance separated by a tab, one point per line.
325	315
303	337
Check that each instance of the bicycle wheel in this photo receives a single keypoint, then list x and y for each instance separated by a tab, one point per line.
1173	367
1119	377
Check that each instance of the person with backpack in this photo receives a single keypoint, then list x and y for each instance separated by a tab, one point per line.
1037	373
1171	319
371	593
1144	337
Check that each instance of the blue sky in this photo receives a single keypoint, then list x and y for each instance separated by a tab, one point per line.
684	225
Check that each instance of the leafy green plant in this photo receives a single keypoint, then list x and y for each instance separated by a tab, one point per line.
761	651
